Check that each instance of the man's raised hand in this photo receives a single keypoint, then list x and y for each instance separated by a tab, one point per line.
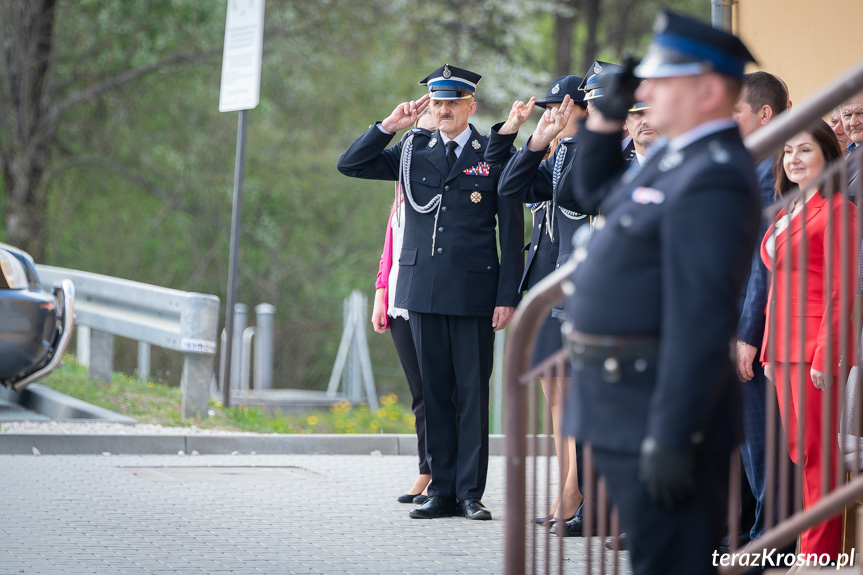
552	123
405	115
518	115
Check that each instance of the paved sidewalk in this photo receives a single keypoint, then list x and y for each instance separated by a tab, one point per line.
244	514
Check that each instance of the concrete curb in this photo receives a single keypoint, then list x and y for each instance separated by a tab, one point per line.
215	444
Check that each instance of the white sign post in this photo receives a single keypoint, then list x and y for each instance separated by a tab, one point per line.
240	91
241	58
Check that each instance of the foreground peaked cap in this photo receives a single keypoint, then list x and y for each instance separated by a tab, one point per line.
683	46
562	87
451	83
590	84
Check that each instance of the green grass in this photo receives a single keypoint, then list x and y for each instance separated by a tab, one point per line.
155	402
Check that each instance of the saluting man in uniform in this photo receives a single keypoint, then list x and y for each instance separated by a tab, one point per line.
450	279
655	307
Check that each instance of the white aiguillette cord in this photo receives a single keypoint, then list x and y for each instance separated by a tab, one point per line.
405	181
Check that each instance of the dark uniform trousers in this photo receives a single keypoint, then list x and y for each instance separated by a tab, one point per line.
450	280
666	265
455	355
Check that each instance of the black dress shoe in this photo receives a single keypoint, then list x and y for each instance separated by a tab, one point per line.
434	507
618	542
473	509
420	499
571	528
408	498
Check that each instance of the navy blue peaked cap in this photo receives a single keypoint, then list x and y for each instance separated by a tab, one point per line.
560	88
683	46
451	83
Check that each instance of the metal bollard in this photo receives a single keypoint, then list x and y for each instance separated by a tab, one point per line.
264	345
241	320
249	334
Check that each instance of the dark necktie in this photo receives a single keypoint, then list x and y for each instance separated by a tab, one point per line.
450	153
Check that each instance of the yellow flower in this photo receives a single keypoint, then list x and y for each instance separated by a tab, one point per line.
150	384
218	404
312	420
374	425
381	412
409	418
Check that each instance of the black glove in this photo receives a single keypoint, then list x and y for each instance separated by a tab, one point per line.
618	90
669	474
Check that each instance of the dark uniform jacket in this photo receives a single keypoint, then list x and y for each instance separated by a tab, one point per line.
449	266
668	260
528	178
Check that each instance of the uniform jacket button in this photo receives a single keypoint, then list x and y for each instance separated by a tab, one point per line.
440	250
440	229
488	268
443	208
626	220
535	247
446	188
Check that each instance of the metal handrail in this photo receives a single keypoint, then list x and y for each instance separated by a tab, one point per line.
538	302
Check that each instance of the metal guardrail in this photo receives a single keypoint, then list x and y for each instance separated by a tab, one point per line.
172	319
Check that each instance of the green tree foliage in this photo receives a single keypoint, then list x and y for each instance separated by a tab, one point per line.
138	162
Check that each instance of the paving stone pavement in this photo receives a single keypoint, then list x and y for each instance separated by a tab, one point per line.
243	514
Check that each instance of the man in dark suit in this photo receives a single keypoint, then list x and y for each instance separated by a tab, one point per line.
450	279
762	98
852	123
655	305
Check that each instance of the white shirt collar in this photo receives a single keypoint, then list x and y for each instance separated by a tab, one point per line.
461	139
699	132
640	159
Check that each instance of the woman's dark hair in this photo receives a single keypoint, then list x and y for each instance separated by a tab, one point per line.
830	149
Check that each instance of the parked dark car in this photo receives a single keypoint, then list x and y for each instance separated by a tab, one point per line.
35	326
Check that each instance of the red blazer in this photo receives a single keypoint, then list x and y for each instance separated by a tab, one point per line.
812	304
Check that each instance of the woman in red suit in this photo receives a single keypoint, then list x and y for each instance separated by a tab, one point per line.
805	157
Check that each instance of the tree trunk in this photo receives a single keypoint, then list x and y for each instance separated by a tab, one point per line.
564	28
591	47
27	35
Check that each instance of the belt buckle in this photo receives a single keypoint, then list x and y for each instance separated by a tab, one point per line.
611	369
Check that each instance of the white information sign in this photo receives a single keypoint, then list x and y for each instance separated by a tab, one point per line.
241	58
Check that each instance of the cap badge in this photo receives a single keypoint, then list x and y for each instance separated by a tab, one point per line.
661	23
597	68
446	71
556	88
476	197
475	145
432	143
670	161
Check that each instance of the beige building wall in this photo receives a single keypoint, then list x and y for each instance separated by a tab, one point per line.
807	43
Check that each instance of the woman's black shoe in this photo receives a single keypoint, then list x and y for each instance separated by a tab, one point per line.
408	498
420	499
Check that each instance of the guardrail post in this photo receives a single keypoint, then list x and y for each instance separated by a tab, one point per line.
143	361
264	345
199	324
101	355
82	345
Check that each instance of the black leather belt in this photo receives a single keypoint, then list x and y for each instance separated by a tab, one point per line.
611	352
